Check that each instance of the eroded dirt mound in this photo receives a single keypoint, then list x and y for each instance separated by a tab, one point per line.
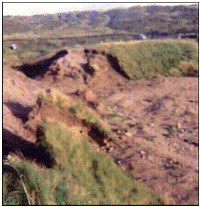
80	128
74	70
156	120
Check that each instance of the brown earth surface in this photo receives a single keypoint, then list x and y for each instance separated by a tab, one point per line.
156	121
158	128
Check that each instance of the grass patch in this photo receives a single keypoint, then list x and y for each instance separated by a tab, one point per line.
81	176
13	191
150	138
29	50
115	115
154	58
79	109
83	112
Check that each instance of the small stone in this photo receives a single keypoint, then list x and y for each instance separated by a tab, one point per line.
179	125
123	168
111	149
152	124
181	135
115	107
128	134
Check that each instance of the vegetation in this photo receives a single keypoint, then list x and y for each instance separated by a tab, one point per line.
154	20
151	20
154	58
13	191
79	109
149	138
28	50
115	115
81	176
137	59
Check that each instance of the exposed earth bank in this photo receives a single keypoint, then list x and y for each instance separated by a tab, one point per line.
155	121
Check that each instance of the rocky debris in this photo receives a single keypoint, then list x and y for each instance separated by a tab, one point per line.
90	95
153	107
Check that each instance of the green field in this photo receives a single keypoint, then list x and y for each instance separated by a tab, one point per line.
28	50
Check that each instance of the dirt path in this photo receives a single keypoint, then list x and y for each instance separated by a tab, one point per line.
157	122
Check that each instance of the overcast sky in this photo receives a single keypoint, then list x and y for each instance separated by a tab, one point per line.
51	8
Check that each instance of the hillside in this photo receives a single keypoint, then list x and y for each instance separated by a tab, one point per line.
151	20
152	58
77	118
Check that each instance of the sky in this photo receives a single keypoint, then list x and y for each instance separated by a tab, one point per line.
28	9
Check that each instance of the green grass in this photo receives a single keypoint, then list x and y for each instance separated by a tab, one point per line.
83	112
29	50
150	138
115	115
81	176
13	191
155	58
138	59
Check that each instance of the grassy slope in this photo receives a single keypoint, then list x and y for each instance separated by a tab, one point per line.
79	109
154	58
82	176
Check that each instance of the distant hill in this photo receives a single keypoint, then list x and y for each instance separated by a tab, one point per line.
138	19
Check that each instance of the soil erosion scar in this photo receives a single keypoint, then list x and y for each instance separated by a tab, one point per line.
40	68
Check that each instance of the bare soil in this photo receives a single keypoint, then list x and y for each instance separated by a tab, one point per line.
158	129
156	121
